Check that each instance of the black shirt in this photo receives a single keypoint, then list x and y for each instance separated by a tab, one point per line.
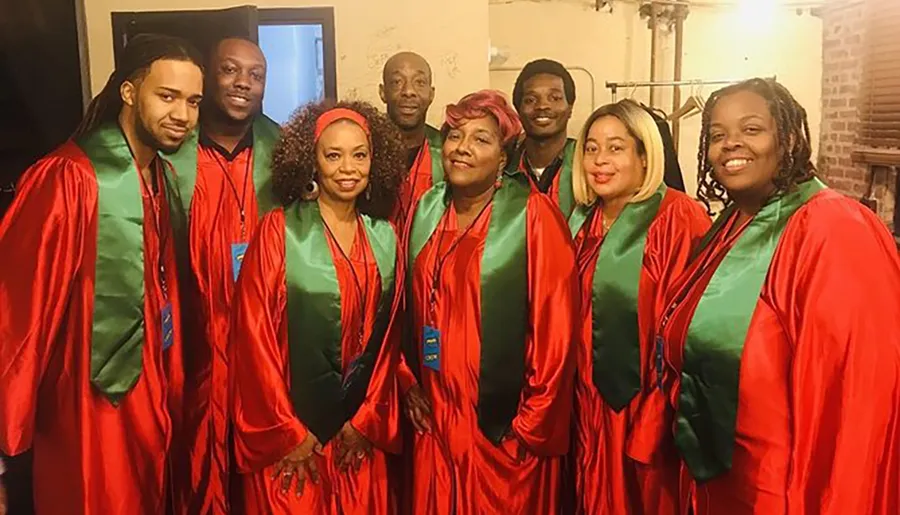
245	143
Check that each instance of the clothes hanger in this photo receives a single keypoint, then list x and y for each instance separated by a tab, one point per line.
693	105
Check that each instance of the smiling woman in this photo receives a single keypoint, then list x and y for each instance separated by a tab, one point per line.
314	395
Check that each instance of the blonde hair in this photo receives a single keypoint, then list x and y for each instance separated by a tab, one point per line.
642	127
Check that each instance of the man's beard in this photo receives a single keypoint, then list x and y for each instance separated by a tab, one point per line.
146	136
407	126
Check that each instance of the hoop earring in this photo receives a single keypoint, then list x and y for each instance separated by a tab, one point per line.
312	190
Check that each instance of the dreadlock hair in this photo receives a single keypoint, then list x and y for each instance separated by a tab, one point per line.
792	131
139	55
294	162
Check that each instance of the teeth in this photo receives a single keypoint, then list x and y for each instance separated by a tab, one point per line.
736	163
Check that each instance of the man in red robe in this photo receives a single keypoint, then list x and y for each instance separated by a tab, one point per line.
92	371
544	95
407	92
224	182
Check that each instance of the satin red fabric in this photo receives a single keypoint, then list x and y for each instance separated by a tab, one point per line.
413	187
818	431
89	456
265	427
608	479
215	224
455	468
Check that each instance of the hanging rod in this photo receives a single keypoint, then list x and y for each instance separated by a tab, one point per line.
614	86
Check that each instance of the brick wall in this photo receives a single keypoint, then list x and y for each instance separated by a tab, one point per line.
843	32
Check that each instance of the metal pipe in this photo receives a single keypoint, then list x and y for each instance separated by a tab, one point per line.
679	58
653	47
655	84
571	68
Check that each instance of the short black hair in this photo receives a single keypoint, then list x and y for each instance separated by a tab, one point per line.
538	67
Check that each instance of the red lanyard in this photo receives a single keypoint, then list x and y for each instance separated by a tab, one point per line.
359	287
161	236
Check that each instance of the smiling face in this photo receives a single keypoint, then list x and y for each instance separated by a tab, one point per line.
473	154
407	90
613	163
166	103
344	160
238	79
544	109
743	148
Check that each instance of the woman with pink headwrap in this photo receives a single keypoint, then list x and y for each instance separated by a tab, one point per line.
489	383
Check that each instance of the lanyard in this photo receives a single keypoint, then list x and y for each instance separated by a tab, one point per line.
161	236
359	287
440	261
241	200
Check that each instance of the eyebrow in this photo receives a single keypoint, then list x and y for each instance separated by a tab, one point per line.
358	147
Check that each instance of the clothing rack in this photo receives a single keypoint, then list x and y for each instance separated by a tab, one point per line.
614	86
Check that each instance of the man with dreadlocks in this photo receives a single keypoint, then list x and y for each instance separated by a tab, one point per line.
781	338
543	95
225	184
91	353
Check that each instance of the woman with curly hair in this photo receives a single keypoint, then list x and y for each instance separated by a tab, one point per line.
633	238
783	334
314	328
493	297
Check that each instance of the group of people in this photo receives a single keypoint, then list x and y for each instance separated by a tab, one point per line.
358	313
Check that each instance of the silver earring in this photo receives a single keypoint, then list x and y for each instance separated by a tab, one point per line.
368	193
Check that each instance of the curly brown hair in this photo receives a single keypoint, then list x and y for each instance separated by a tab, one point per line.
792	132
294	159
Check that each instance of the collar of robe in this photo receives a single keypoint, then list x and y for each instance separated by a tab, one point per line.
616	342
117	332
566	198
265	136
435	148
708	399
324	397
504	298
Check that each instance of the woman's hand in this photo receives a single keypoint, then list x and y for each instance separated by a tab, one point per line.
418	409
300	463
353	448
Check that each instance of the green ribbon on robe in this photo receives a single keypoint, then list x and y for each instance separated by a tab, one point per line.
324	397
616	339
435	148
117	332
708	400
504	298
266	134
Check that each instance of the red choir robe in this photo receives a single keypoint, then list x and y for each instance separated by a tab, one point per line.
215	225
90	456
817	429
427	170
560	190
607	480
456	469
266	428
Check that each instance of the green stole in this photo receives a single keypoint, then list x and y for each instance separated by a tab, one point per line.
504	298
566	196
708	400
616	339
266	134
323	397
117	333
435	147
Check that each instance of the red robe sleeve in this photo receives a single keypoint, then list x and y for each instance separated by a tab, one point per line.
378	418
542	422
42	236
265	427
836	287
671	238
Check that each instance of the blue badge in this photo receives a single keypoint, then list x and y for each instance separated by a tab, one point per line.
660	349
237	258
431	348
168	326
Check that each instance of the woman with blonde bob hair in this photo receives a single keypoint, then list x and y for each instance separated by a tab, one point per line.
633	237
